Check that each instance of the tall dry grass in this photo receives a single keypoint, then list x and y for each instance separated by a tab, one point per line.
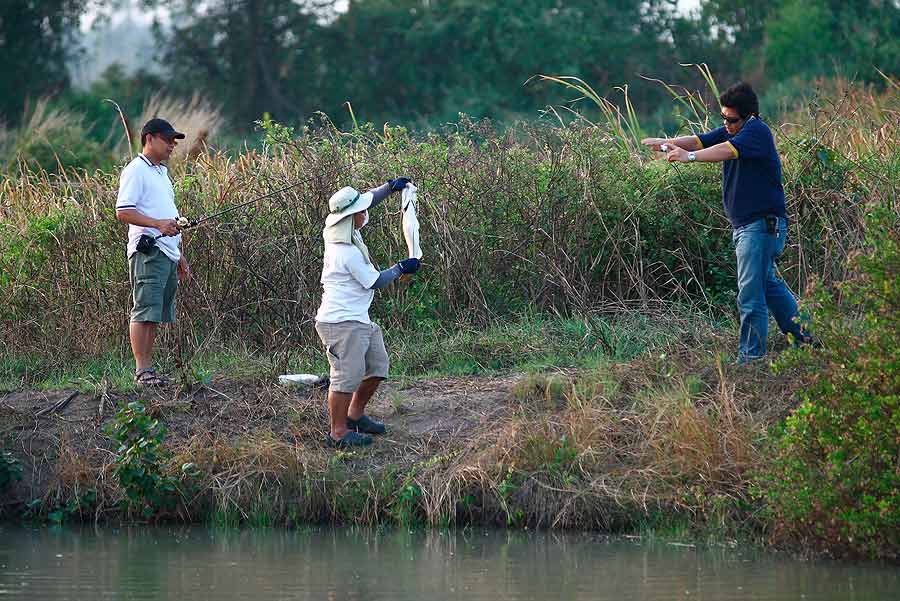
197	118
42	120
539	217
612	447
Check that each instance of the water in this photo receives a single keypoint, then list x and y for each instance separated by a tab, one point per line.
198	563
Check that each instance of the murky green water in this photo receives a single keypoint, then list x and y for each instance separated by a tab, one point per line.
197	563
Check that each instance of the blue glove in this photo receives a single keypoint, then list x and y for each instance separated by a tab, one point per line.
409	265
399	183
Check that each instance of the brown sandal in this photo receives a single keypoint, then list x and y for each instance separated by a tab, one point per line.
149	378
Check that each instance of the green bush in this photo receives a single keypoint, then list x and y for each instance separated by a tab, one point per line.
10	470
835	480
28	251
67	147
139	461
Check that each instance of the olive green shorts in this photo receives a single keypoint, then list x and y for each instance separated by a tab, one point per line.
154	280
355	353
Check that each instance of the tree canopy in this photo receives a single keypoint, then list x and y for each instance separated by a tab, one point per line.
421	62
34	36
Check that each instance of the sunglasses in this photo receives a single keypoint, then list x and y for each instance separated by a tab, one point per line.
731	120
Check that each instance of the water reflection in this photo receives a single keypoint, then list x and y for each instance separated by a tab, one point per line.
354	564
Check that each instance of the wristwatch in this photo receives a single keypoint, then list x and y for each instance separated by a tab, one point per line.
692	157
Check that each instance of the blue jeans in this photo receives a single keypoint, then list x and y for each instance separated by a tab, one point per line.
761	289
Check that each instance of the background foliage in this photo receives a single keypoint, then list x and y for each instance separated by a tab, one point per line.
422	62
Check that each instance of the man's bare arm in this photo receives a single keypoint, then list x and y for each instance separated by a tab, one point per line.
167	227
714	154
688	143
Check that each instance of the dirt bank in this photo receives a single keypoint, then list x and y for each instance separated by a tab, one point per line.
608	448
59	448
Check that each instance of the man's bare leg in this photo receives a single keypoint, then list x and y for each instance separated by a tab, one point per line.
362	396
143	335
338	404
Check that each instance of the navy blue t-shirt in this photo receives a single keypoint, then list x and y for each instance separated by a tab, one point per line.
751	183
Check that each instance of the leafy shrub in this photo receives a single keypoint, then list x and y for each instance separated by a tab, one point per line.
835	479
75	509
140	459
28	251
67	147
10	470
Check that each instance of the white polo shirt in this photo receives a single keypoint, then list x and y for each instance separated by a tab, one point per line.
346	285
146	188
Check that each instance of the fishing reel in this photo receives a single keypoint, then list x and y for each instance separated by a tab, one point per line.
186	222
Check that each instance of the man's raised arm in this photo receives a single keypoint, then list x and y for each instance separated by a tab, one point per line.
686	142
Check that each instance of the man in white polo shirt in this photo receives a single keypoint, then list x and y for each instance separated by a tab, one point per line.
146	202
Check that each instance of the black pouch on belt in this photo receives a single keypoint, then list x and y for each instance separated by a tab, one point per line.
771	223
145	244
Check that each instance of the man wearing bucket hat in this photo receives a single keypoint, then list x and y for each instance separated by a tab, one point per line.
353	343
146	202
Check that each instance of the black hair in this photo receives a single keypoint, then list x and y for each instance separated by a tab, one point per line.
741	98
144	139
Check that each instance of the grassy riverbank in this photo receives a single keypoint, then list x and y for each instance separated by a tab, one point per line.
662	436
667	437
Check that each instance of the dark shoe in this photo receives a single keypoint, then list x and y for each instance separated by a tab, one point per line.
350	439
366	425
148	377
748	360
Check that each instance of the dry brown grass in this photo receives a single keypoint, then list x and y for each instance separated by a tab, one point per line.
254	471
197	118
652	442
858	119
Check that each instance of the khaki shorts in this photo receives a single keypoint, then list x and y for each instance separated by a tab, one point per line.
154	279
355	352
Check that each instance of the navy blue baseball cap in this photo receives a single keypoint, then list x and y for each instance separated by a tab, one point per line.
161	126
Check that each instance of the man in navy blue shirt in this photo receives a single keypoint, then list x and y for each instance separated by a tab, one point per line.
754	203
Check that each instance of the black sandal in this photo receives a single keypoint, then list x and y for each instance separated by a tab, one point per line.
149	378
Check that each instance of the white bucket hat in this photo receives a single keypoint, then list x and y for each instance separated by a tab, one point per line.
345	202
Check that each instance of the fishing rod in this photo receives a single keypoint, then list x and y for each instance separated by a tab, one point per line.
147	242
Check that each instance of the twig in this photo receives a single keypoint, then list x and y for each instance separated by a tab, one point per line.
124	124
58	406
104	395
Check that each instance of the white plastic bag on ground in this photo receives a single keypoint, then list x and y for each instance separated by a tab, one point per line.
408	202
299	380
